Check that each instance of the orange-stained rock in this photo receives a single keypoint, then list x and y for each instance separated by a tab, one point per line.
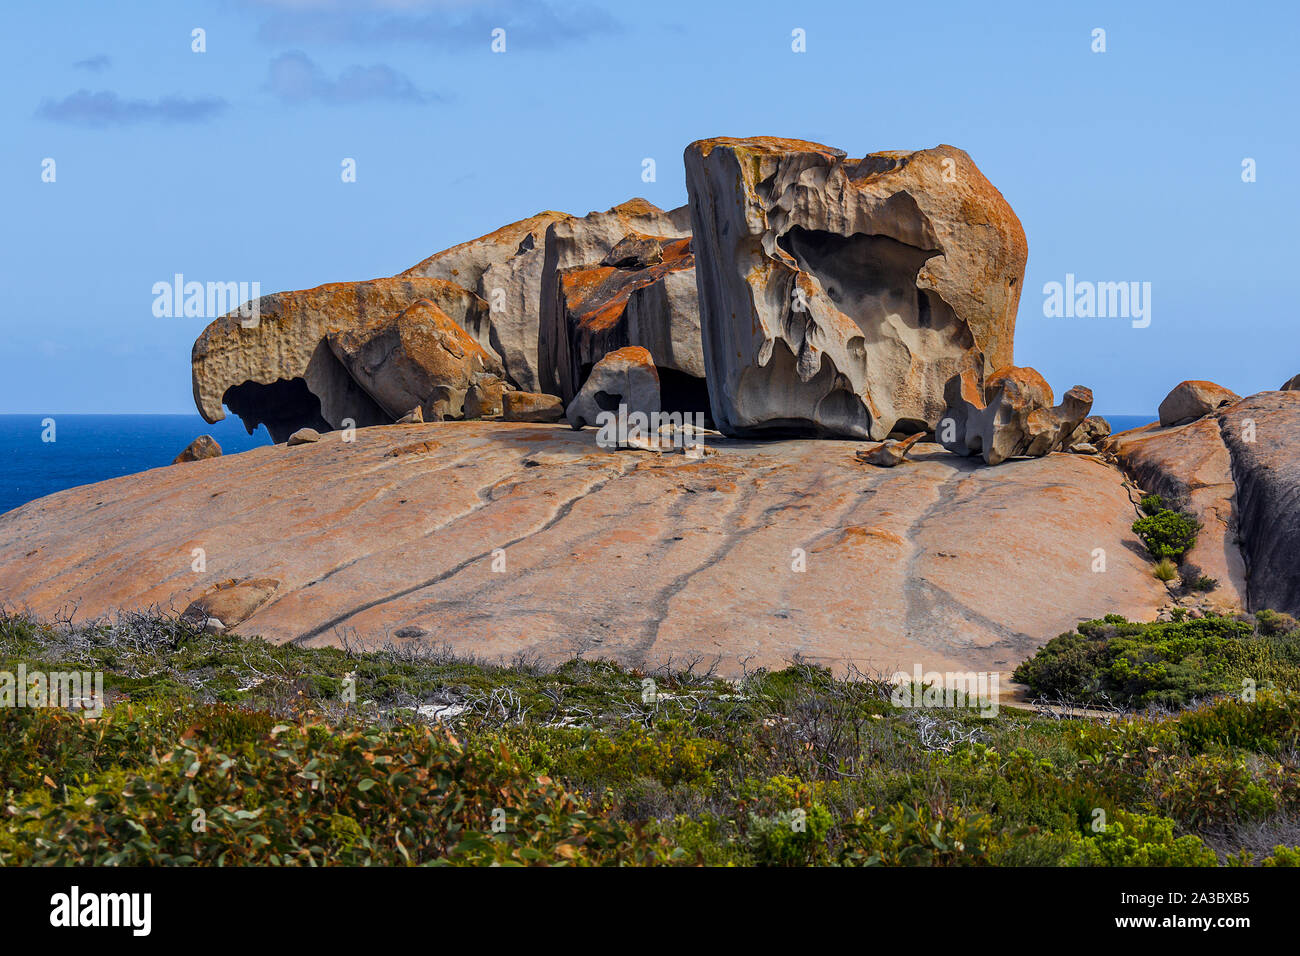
231	602
514	270
205	446
1190	467
638	558
649	301
889	452
1192	400
281	372
585	242
484	397
419	358
627	378
837	295
1238	471
1018	419
504	268
531	407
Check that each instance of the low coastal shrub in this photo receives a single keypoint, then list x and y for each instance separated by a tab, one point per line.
1132	664
1167	534
256	755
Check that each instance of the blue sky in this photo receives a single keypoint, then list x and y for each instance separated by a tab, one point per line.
225	165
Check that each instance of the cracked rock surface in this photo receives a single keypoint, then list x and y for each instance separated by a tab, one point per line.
622	555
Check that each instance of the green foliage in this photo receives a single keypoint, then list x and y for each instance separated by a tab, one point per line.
1167	534
1275	623
917	836
1131	839
1170	663
1164	570
578	766
1152	504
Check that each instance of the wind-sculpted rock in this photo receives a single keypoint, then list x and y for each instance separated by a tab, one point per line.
1291	385
514	270
418	358
205	446
1012	417
626	378
504	268
649	300
1091	432
889	452
838	296
278	370
584	242
1192	400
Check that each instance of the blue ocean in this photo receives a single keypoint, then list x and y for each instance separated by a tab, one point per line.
89	448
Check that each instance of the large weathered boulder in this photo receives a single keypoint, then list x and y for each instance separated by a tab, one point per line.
838	296
1011	417
418	358
514	270
648	300
205	446
626	377
637	558
1291	385
504	268
280	371
1192	400
586	241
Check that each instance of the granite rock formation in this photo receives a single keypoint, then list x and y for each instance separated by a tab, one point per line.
417	359
205	446
1011	417
280	371
626	377
648	299
1192	400
838	296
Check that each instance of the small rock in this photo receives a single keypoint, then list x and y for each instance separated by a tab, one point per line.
302	436
1091	431
889	452
626	377
414	417
213	625
483	399
635	251
531	407
1083	448
205	446
1192	400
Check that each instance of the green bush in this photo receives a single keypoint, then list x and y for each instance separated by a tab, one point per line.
1152	504
1167	534
1170	663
